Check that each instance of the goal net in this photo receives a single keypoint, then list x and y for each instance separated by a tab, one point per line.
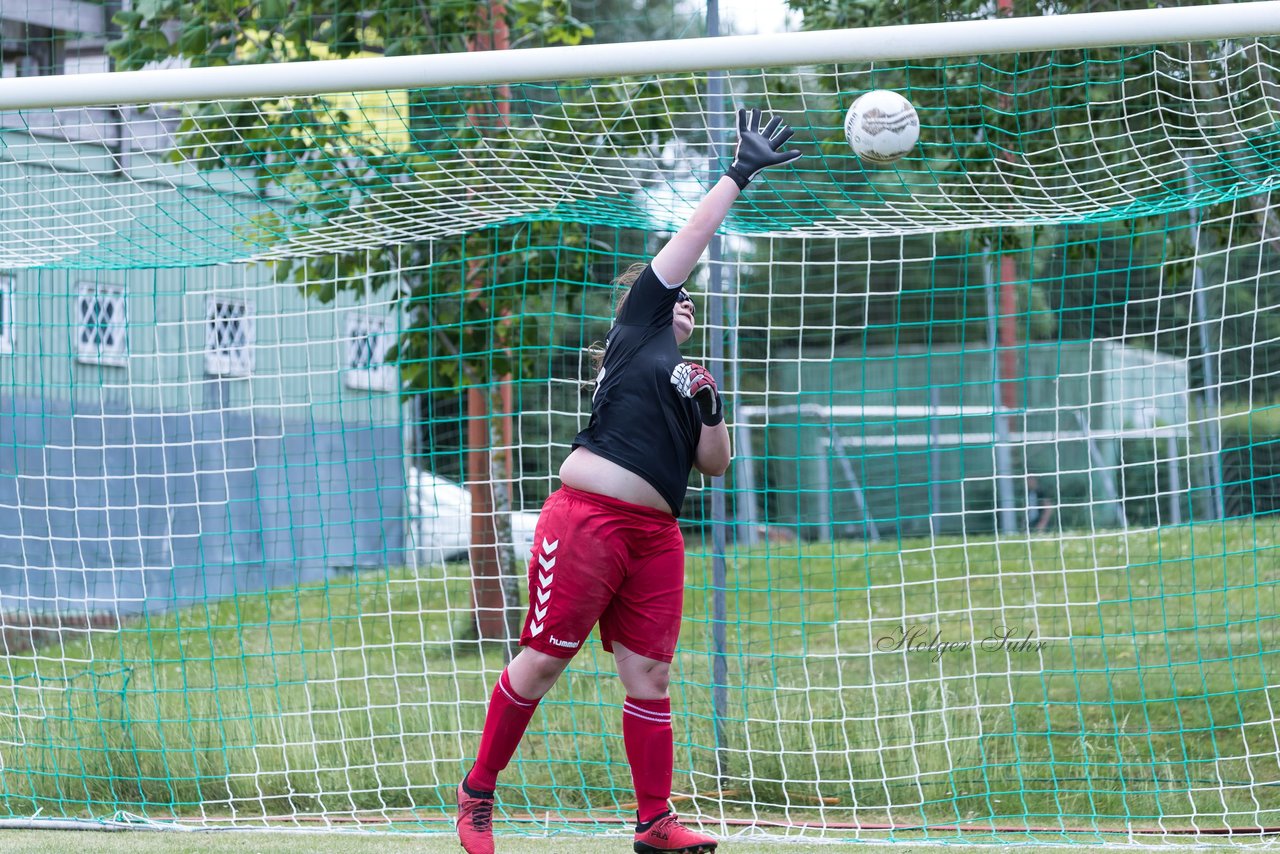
287	373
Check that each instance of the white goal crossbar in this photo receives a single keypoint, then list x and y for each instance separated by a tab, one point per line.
903	42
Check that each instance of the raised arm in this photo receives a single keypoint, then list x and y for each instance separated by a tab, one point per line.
757	150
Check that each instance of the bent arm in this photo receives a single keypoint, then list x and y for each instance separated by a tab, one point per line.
713	453
675	261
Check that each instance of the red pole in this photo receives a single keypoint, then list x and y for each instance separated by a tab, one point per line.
1009	392
1008	273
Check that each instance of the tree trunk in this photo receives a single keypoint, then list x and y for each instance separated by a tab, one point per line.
501	479
486	560
490	516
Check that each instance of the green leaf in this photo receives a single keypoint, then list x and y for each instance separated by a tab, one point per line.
156	42
272	12
194	39
126	20
154	8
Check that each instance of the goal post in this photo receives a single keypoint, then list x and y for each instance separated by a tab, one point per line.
993	560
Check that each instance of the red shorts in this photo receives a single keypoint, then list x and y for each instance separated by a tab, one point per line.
598	559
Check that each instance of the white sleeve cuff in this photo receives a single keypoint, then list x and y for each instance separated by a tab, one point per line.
664	282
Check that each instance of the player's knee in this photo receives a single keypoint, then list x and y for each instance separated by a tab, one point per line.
660	680
532	673
649	682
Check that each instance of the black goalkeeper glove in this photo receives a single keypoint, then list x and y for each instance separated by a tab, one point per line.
758	149
695	382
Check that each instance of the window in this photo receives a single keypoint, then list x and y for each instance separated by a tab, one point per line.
19	65
100	331
228	347
6	314
368	342
26	45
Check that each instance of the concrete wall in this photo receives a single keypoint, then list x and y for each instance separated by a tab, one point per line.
119	510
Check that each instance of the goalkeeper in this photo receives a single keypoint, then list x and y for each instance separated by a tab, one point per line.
607	547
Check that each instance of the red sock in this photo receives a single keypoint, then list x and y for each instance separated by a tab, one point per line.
646	731
504	725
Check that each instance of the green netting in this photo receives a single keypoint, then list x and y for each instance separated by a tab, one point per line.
998	543
1158	131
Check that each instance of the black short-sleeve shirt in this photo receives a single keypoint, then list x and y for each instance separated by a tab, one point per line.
638	419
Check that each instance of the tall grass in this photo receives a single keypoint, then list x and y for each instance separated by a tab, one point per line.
1142	693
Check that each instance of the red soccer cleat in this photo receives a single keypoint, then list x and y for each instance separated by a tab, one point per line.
666	834
475	820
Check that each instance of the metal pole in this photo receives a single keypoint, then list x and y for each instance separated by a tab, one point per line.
935	463
716	329
1103	472
1175	481
855	487
748	528
1209	432
1007	520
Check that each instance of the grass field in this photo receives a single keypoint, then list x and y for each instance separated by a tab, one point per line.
866	684
54	842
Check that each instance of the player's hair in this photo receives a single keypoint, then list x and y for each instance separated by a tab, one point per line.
621	290
622	286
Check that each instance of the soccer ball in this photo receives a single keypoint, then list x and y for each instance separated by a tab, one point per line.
881	126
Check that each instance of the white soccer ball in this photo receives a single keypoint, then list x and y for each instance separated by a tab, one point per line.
881	126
